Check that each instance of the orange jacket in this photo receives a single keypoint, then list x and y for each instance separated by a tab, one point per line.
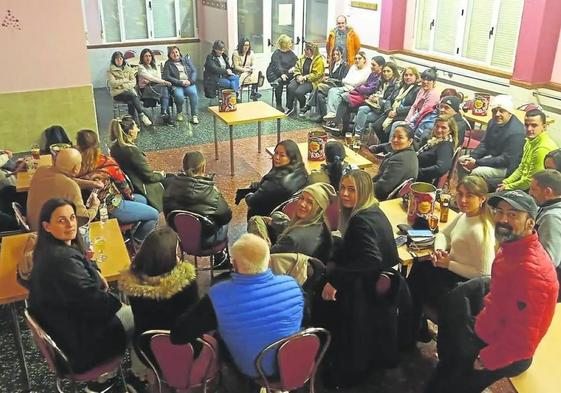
353	45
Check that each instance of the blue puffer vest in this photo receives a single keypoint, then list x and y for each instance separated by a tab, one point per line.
254	311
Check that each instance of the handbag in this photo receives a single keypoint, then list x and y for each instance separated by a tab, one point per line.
355	98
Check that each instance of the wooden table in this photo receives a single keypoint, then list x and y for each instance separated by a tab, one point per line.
397	214
11	252
23	179
249	112
351	158
484	120
542	375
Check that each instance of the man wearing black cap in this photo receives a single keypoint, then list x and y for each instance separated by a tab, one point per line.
450	107
505	329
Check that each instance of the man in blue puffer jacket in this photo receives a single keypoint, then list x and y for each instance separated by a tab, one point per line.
251	310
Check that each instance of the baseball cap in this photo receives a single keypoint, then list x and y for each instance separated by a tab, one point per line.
452	102
518	199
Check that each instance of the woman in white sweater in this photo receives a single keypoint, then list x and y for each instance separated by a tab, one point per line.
151	83
465	249
357	75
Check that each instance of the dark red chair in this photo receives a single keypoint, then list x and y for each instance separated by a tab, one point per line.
298	359
401	189
58	362
176	365
189	228
129	54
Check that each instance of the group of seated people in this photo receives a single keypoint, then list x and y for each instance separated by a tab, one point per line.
147	83
70	298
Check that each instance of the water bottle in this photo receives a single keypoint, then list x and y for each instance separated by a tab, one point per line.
103	215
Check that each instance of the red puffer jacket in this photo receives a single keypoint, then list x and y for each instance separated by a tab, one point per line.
520	305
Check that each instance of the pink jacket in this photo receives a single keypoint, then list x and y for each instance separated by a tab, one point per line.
425	101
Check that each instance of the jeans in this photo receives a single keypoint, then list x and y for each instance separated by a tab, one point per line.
189	91
364	115
129	212
132	101
230	82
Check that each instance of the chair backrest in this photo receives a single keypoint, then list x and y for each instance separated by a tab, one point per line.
333	214
176	364
22	221
51	352
189	228
448	175
298	357
401	189
289	207
129	54
157	52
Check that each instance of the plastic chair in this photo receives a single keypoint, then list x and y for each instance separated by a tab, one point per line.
118	106
445	179
22	221
189	228
402	189
176	365
298	358
58	362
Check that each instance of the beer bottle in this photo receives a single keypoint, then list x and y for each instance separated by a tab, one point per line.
444	208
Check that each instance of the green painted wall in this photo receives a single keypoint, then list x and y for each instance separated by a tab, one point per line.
24	116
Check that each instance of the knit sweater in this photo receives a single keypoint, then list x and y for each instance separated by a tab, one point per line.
533	156
148	74
356	76
471	252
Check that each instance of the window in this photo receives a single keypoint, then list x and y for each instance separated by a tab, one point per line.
133	20
483	32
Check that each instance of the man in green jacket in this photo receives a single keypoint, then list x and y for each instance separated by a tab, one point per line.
538	144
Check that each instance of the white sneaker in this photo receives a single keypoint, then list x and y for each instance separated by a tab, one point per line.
180	117
195	119
329	116
145	120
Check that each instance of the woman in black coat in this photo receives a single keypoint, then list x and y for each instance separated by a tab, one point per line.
218	73
398	165
435	157
280	70
287	176
134	163
69	297
349	306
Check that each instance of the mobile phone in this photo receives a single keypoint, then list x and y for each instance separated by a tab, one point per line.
401	240
419	233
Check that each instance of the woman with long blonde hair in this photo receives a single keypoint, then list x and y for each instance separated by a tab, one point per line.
350	304
465	249
122	204
134	163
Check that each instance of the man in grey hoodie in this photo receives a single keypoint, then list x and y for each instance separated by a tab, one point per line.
546	190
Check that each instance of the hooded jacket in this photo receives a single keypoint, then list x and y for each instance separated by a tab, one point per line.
316	69
520	305
157	301
533	156
120	80
503	143
197	194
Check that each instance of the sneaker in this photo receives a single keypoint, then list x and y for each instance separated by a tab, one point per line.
145	120
166	118
180	116
331	126
289	111
100	387
195	119
305	109
329	116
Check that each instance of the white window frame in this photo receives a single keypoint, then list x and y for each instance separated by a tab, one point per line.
461	30
149	22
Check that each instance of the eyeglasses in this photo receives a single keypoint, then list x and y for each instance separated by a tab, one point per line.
359	57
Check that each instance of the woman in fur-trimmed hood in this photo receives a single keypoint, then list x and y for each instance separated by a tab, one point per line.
159	285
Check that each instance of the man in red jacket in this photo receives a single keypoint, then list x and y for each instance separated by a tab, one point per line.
483	340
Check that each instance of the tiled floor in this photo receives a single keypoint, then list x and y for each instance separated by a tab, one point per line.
165	148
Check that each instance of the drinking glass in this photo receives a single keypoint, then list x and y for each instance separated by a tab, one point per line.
356	143
35	152
349	139
99	246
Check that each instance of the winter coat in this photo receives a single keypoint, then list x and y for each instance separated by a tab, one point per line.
533	155
395	169
370	86
424	103
503	143
66	298
311	240
267	308
213	72
241	61
353	45
405	104
519	308
157	301
197	194
120	80
280	63
171	73
435	161
144	180
274	188
317	69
